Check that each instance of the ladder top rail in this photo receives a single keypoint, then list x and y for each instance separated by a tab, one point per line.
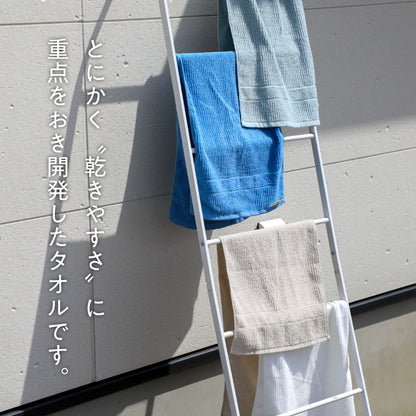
215	241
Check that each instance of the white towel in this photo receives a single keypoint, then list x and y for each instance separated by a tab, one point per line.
291	379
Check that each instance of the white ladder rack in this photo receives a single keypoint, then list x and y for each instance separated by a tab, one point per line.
204	243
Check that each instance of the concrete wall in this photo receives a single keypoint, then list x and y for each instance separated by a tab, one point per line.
387	342
154	296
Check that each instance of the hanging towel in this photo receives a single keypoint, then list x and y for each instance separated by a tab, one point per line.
292	379
276	77
276	288
243	367
239	170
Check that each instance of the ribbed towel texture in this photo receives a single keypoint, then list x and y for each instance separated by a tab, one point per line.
239	170
276	288
243	367
276	77
292	379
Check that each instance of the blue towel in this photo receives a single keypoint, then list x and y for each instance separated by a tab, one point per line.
239	170
276	77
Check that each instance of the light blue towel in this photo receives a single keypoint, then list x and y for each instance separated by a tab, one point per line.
276	78
239	170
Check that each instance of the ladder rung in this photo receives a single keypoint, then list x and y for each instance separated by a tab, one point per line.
286	139
218	241
228	334
322	402
299	137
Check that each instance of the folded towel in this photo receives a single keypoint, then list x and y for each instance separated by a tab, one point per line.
292	379
276	77
276	288
239	170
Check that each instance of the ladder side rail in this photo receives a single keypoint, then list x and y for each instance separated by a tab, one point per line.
353	347
193	185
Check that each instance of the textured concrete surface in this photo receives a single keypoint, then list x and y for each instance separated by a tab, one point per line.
25	116
142	282
28	371
196	392
318	4
387	342
151	281
40	11
136	9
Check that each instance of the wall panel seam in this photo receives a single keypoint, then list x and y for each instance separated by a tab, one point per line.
156	18
375	155
359	5
173	365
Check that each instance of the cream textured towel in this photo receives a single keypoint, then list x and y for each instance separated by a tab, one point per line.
243	367
276	289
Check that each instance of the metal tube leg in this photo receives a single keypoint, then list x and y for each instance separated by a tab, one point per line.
196	202
353	348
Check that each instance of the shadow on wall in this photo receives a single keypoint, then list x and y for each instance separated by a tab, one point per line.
151	273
